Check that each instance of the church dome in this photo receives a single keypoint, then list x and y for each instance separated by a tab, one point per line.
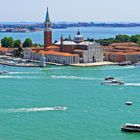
78	38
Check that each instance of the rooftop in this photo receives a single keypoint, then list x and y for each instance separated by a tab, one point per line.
57	53
125	53
124	44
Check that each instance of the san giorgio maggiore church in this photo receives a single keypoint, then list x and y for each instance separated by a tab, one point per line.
72	51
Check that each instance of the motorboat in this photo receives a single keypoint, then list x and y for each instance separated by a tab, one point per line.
125	63
131	127
109	78
112	82
4	72
128	103
60	108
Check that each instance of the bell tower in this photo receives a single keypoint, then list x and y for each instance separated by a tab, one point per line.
47	31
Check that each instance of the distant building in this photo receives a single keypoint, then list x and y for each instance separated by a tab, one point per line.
118	52
56	57
65	52
88	52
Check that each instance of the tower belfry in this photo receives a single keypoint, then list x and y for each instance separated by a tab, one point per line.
47	31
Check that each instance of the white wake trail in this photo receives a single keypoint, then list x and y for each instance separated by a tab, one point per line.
73	77
43	109
133	84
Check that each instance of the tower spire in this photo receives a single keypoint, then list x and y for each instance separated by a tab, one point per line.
47	16
47	31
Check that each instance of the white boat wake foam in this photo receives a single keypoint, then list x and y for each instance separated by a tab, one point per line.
133	84
25	110
24	72
21	77
73	77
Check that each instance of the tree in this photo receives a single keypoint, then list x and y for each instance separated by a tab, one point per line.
122	38
27	43
7	42
134	39
17	43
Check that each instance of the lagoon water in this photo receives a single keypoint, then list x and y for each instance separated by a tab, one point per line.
87	32
97	112
94	112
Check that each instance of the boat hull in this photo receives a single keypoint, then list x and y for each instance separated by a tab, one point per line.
130	129
115	84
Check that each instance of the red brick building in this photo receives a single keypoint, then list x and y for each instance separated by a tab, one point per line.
118	52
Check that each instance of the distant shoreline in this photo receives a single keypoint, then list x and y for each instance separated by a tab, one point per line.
34	26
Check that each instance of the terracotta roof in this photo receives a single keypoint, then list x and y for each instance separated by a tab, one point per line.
79	50
127	48
6	49
57	53
37	48
125	53
124	44
53	47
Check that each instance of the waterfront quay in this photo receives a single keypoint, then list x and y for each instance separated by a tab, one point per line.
16	62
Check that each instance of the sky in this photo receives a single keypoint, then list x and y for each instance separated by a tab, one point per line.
70	10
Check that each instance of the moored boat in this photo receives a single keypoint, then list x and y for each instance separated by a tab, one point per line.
131	127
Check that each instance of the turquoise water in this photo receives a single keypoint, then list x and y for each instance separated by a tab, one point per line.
87	32
95	112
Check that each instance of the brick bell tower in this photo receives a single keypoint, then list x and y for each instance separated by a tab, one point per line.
47	31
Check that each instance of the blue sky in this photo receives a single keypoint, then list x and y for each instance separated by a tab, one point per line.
70	10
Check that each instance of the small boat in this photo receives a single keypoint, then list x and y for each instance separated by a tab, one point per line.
125	63
137	64
112	82
109	78
4	72
60	108
131	127
128	103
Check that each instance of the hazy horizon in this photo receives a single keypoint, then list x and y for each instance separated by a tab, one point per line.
70	11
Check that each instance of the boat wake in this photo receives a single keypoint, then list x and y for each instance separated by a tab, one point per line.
24	73
119	67
73	77
26	110
21	77
133	84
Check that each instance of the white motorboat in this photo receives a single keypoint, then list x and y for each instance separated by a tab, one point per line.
112	82
128	103
131	127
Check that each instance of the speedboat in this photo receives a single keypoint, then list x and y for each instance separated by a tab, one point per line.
128	103
4	72
131	127
109	78
112	82
59	108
